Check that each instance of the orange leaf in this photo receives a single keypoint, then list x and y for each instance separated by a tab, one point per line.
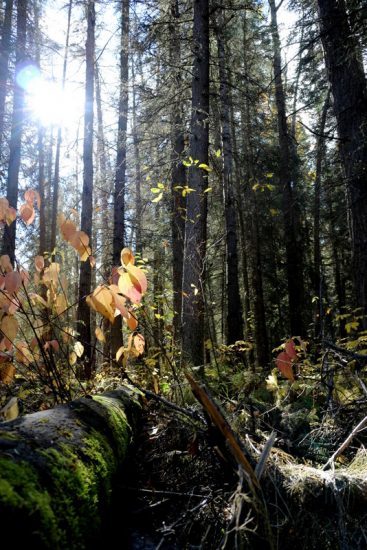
5	264
284	364
27	213
39	262
13	281
79	240
31	195
102	301
131	322
139	343
100	334
7	372
4	205
290	349
67	228
9	327
127	256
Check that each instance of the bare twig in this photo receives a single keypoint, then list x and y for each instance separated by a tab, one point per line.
345	443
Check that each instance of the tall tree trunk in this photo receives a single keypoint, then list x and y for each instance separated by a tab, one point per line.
105	192
287	178
8	245
252	223
85	277
138	201
4	61
178	176
40	143
120	175
234	325
193	329
320	152
348	86
56	178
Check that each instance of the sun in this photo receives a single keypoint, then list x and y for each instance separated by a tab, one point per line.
47	101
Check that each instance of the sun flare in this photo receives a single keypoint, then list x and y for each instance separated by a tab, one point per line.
48	101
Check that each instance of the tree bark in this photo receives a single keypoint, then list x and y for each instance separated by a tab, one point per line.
234	325
348	85
85	275
56	178
120	175
287	178
58	468
178	176
193	306
320	152
4	62
12	187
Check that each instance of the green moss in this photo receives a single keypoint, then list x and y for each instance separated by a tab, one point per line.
117	421
23	498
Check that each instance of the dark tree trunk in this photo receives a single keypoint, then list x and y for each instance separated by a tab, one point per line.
287	178
8	246
178	177
193	326
320	152
138	199
348	86
4	61
120	175
85	276
56	178
234	325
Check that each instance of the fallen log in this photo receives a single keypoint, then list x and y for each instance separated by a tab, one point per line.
57	469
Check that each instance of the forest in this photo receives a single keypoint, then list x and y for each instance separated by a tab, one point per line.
183	273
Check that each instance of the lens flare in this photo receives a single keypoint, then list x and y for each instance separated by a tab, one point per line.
48	101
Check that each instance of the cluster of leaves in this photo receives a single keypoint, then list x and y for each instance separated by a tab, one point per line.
122	296
42	302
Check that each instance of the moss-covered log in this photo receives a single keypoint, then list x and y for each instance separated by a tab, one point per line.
57	470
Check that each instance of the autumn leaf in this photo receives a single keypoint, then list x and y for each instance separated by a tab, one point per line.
127	257
52	344
10	215
39	263
79	349
67	228
5	264
100	334
9	327
13	281
139	343
138	278
131	322
27	213
284	364
101	300
128	289
32	195
290	349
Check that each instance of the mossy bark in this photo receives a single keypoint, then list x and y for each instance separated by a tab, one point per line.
57	470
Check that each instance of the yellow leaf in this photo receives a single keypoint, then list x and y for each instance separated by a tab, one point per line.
208	189
79	349
127	256
100	335
218	153
119	353
139	343
11	410
73	358
158	198
205	167
9	327
102	301
128	289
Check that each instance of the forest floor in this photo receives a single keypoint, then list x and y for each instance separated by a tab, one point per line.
183	490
